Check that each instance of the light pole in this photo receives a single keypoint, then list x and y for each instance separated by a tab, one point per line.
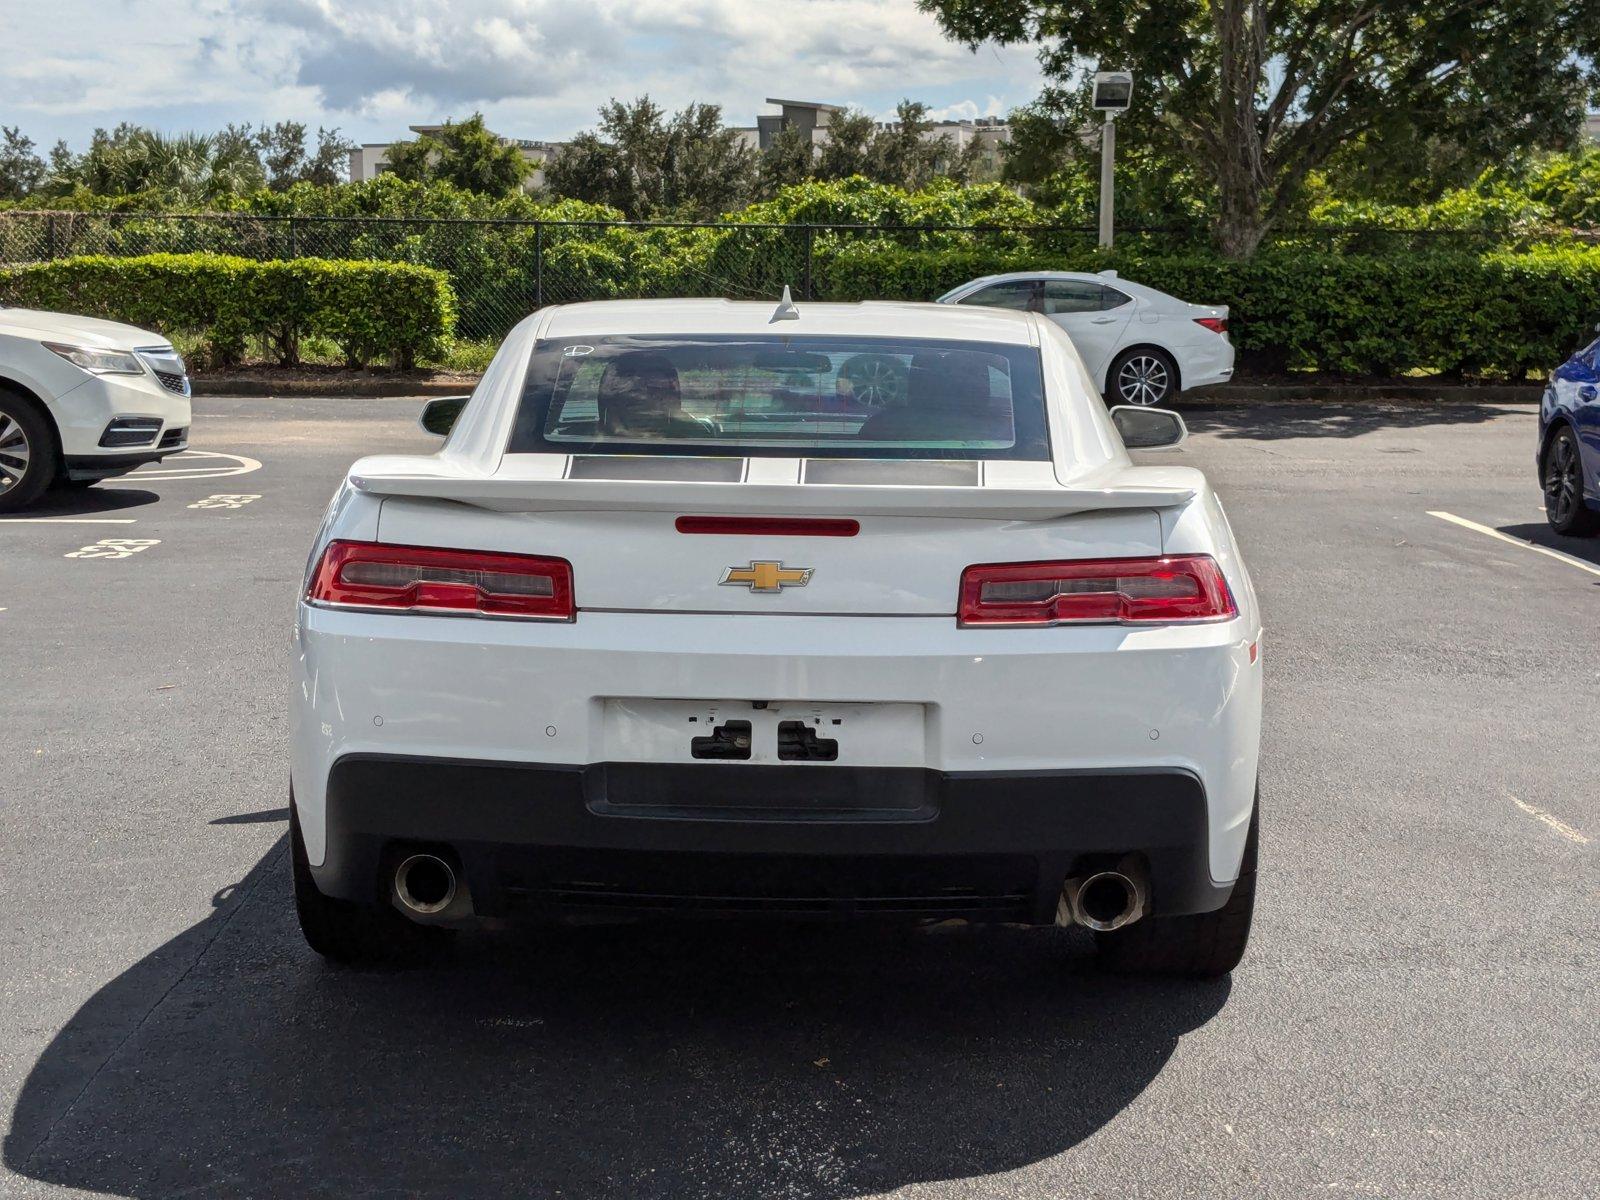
1113	93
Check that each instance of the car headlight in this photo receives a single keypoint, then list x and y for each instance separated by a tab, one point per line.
98	362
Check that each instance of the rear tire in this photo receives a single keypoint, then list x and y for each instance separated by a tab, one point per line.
1200	946
1144	376
28	457
1564	507
344	932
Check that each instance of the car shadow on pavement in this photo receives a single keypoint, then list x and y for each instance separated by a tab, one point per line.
1540	534
639	1060
89	502
1337	420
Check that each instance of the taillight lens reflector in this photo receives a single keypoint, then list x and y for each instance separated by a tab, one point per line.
1132	591
772	526
428	579
1215	324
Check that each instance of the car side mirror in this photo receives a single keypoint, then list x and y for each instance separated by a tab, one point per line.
439	416
1149	428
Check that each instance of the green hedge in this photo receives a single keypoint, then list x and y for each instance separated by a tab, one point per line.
1491	315
370	310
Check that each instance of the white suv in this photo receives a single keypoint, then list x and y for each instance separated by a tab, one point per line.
82	400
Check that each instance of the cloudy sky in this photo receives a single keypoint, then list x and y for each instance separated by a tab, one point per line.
536	68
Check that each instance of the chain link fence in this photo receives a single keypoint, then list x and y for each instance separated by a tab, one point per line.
502	270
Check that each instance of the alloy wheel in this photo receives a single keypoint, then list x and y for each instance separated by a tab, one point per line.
1143	380
1561	481
15	452
877	380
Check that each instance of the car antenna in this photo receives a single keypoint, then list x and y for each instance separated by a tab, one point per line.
786	311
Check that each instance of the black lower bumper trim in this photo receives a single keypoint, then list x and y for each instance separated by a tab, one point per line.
797	840
105	466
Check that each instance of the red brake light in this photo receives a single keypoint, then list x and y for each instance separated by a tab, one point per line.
1215	324
772	526
428	579
1186	587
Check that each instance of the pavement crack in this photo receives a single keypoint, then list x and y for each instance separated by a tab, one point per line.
242	899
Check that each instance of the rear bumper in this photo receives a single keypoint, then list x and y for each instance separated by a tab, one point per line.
546	839
1019	703
1210	363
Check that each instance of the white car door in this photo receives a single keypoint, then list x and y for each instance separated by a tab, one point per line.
1094	320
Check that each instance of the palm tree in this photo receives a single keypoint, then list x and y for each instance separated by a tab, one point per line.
190	167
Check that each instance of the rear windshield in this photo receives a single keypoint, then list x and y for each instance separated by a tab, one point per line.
802	397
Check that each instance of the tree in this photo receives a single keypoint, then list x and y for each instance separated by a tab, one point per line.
464	153
474	159
848	150
286	160
411	161
648	165
899	152
1257	94
903	154
587	168
1053	155
21	170
788	159
708	169
192	167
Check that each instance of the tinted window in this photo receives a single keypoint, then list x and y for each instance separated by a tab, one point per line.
1013	293
802	397
1111	298
1071	296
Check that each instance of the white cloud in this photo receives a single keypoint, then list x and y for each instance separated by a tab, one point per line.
537	68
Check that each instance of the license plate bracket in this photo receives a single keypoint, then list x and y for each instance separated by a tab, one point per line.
803	733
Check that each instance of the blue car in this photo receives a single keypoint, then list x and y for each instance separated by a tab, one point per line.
1569	444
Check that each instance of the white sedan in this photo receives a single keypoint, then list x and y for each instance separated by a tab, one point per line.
83	399
675	622
1140	345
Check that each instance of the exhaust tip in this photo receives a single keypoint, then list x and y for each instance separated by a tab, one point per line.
1104	901
425	884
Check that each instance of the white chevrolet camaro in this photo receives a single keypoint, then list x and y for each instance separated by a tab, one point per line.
1141	346
677	621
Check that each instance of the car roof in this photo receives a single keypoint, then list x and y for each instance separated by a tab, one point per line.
1113	281
872	318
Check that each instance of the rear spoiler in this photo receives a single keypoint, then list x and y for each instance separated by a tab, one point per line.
771	499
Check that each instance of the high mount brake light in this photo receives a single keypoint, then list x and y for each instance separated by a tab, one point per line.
1215	324
1129	591
772	526
470	583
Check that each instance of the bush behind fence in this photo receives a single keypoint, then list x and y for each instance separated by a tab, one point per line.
502	270
1353	300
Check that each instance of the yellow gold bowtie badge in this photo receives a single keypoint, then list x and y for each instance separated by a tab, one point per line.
766	576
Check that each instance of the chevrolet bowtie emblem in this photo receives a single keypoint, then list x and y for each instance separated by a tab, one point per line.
766	576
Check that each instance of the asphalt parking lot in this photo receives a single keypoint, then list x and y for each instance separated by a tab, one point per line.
1416	1016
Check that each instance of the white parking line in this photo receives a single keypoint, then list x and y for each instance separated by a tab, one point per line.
1537	549
1560	826
68	521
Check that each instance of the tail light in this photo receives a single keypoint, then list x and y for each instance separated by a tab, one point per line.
1130	591
1215	324
426	579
